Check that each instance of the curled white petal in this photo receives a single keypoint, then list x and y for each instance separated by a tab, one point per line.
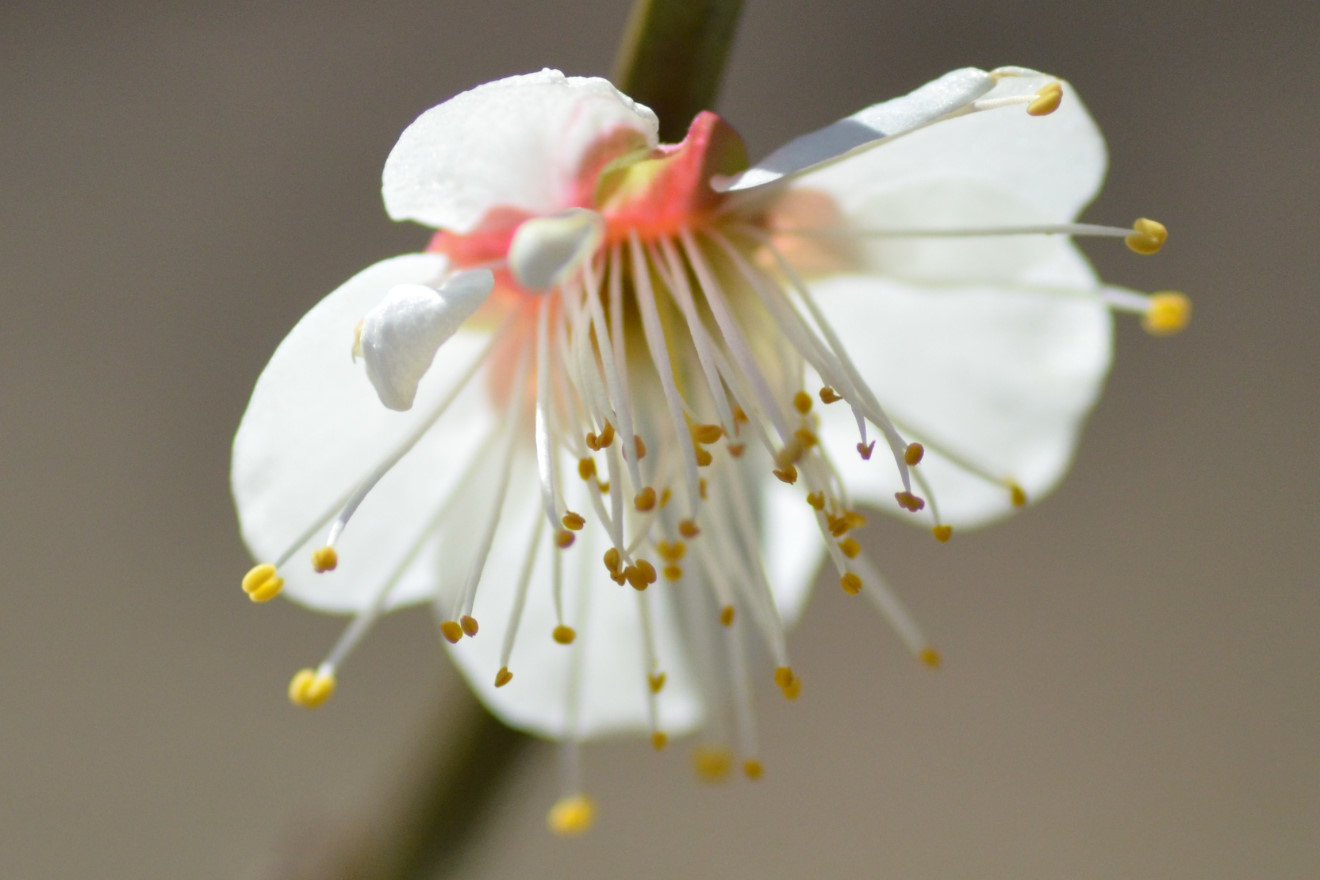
545	250
401	335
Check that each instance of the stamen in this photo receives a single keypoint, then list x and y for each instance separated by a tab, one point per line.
311	687
712	763
1147	236
1168	314
519	602
893	610
572	815
262	583
325	559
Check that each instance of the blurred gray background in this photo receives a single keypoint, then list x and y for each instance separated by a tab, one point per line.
1131	669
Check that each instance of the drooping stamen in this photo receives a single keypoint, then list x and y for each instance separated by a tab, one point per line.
574	812
1162	314
519	603
892	609
652	665
1144	236
744	715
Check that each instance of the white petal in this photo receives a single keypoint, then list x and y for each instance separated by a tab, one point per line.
400	336
518	143
315	428
1054	164
1002	376
612	671
933	100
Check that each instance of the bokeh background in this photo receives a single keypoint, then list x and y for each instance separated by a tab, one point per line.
1131	669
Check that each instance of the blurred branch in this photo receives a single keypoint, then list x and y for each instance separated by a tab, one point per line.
672	57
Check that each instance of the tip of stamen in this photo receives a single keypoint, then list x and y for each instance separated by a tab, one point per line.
1016	494
788	681
829	395
802	402
673	572
865	450
656	681
688	529
736	449
613	560
586	468
671	552
645	500
574	521
913	454
571	816
787	474
469	625
942	532
930	657
324	559
640	446
564	635
503	677
703	456
1169	313
850	548
816	500
564	539
310	688
726	615
909	502
707	434
712	764
262	583
752	769
452	630
851	583
659	739
1047	100
1147	236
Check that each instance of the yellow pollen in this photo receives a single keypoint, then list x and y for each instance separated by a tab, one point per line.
802	402
913	454
817	500
647	570
787	474
673	572
659	739
586	468
930	657
564	539
503	677
645	500
1046	100
618	578
865	450
808	439
452	631
784	676
262	583
739	415
1169	313
571	816
726	615
791	453
707	434
752	769
701	488
704	458
909	502
851	583
469	625
574	521
606	436
850	548
829	395
736	449
613	560
712	764
671	552
664	498
324	559
604	486
688	529
640	446
942	532
656	681
854	519
564	635
1015	492
1147	236
310	688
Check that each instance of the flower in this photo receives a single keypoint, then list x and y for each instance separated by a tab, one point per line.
612	420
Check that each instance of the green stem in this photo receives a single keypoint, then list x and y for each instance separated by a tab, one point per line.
672	57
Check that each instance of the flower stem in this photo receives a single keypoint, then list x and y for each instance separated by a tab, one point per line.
672	57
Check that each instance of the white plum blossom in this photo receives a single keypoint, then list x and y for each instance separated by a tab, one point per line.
614	418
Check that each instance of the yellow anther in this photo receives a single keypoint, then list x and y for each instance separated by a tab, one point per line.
784	676
673	572
452	630
640	446
787	474
807	438
586	468
707	434
688	529
310	688
752	769
1015	493
930	657
657	682
618	578
613	560
1169	313
503	677
647	570
574	521
603	486
469	625
645	500
739	415
606	436
1046	100
659	739
324	560
564	539
712	764
802	402
791	453
564	635
816	500
571	816
1147	236
703	456
726	615
865	450
854	519
664	498
913	454
850	548
942	532
701	488
829	395
838	525
909	502
262	583
671	552
851	583
736	449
